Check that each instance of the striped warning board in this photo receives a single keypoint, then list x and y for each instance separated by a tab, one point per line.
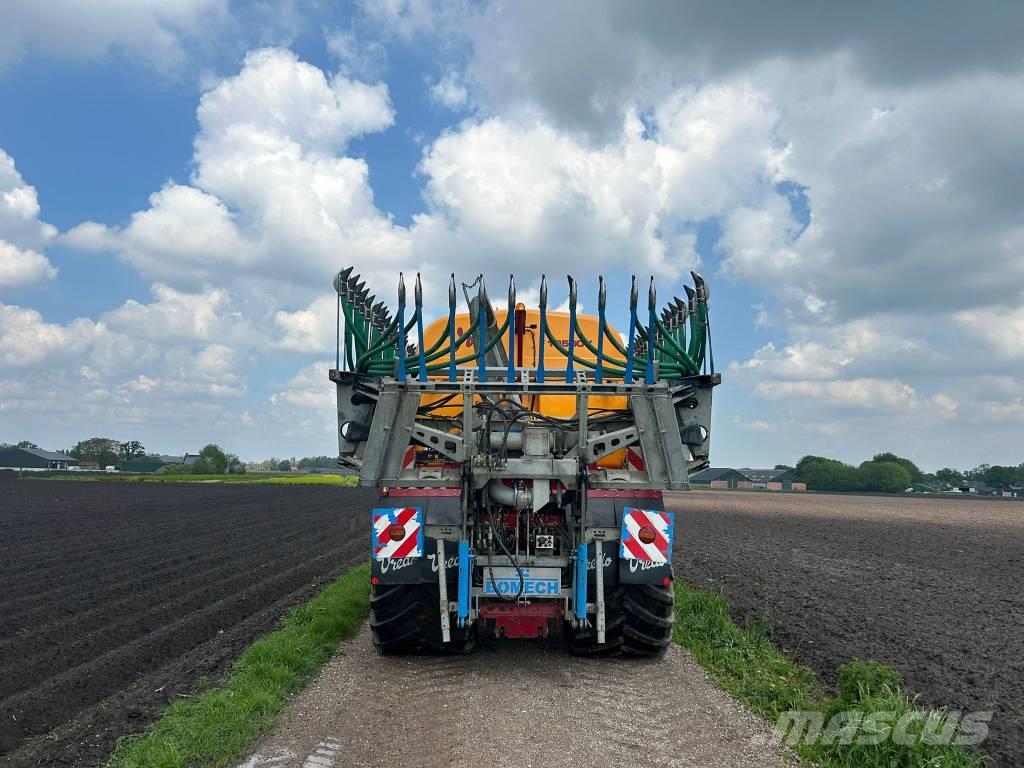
646	535
397	533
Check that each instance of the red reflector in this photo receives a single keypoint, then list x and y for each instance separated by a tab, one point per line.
666	581
374	581
396	531
647	534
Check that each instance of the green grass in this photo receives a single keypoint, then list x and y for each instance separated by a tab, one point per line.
217	725
744	662
348	481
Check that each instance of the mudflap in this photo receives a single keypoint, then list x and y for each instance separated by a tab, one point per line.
419	570
609	565
605	509
641	572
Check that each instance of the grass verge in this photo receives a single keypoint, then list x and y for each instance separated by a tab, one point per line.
217	726
870	721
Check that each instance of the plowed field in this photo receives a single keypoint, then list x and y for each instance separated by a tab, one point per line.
116	598
933	586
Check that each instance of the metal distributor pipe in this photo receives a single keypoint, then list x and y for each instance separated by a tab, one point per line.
517	497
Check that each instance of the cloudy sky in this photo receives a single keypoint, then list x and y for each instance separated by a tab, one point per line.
179	180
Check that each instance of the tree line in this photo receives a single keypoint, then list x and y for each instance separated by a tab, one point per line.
101	450
889	473
107	452
285	465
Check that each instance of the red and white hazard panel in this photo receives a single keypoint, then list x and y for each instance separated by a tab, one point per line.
647	535
397	533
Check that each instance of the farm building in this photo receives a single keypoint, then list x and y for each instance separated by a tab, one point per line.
720	477
155	462
769	479
773	479
34	459
147	464
978	488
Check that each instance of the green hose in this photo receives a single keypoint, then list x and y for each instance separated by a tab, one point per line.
381	370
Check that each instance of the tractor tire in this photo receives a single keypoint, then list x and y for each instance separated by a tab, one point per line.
649	612
638	623
404	619
582	641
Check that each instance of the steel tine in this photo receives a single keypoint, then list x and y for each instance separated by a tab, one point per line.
631	348
570	372
543	342
602	297
420	341
510	320
339	279
400	342
652	301
451	328
481	358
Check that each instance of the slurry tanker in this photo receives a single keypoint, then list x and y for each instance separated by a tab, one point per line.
520	456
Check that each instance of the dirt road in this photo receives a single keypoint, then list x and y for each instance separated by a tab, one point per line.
518	704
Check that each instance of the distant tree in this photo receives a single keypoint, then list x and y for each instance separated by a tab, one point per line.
785	467
999	477
212	461
284	466
949	476
131	449
883	477
101	450
977	473
235	465
824	474
309	462
915	474
27	444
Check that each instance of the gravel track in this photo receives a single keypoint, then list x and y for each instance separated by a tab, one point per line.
513	703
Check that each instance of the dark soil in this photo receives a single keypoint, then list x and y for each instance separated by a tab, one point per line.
932	586
118	598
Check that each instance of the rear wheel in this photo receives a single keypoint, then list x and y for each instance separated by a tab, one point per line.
405	619
582	641
638	622
649	612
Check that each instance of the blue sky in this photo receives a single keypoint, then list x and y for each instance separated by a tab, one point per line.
183	178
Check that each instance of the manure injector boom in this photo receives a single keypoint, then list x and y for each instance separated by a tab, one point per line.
520	457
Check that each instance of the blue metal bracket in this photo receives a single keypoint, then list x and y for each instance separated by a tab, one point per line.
581	581
465	570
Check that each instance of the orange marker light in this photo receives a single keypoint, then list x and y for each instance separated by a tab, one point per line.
647	534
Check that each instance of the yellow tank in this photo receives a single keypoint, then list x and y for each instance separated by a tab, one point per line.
556	406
